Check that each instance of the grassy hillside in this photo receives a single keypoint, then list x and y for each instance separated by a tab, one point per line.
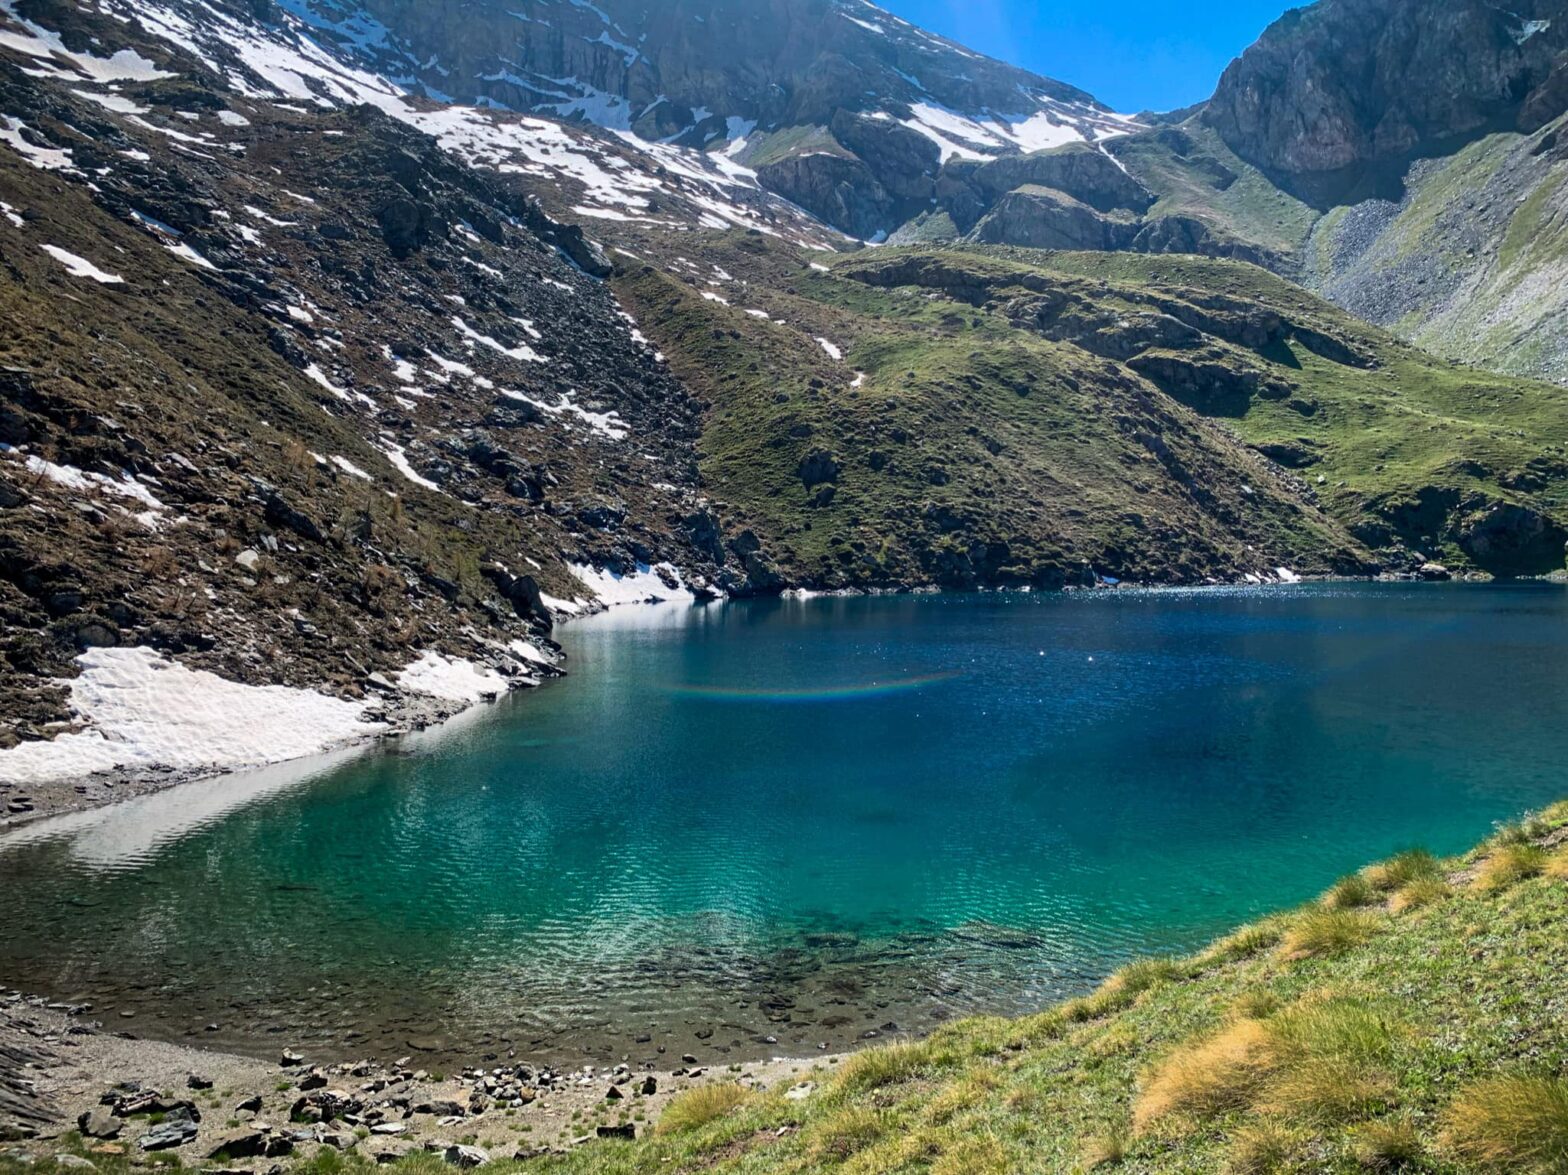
1195	174
1003	415
1408	447
946	445
1462	252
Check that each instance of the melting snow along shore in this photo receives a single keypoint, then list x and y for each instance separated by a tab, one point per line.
147	722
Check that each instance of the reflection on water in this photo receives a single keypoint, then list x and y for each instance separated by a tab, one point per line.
775	826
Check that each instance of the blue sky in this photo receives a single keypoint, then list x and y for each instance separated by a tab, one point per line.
1131	54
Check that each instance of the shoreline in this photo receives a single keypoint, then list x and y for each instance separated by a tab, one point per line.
82	1052
407	713
61	1071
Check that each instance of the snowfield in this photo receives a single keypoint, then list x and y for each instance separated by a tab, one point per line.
143	710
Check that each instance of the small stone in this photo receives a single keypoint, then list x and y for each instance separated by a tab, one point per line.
649	1086
169	1134
290	1059
465	1156
388	1128
799	1093
197	1081
99	1123
251	1105
440	1108
621	1130
73	1163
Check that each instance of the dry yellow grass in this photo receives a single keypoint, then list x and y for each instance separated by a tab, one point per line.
700	1106
1515	1124
1510	864
1413	895
1214	1076
1317	1062
1557	867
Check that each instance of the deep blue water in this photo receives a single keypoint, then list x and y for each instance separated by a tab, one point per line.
807	820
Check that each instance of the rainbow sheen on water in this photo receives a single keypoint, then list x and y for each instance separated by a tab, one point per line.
805	821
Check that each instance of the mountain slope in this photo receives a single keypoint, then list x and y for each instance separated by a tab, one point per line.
839	106
297	396
313	376
986	416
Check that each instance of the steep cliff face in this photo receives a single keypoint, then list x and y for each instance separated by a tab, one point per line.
1335	99
841	107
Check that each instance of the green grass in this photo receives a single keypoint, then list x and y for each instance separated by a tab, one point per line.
972	449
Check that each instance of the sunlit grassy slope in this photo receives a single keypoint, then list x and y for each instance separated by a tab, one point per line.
1014	416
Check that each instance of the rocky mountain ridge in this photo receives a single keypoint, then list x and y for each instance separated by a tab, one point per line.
321	380
839	106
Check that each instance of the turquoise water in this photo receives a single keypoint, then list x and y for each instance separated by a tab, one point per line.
806	821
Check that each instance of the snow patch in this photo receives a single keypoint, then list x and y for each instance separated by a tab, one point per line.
453	679
146	711
350	468
43	158
642	586
81	267
398	457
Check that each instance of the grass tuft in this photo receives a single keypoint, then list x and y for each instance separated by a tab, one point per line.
698	1107
1221	1073
1245	943
1509	865
1106	1149
1327	932
1332	1056
1423	891
886	1065
1320	1061
1267	1148
1388	1145
1398	872
1351	893
1516	1124
1557	867
846	1133
1140	976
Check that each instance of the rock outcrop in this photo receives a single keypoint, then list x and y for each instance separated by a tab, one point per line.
1336	94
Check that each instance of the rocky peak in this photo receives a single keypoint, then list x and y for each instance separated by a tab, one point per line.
838	106
1336	98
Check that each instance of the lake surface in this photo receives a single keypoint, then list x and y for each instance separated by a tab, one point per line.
806	821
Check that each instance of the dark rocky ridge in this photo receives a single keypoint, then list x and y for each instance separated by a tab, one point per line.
1336	98
816	87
